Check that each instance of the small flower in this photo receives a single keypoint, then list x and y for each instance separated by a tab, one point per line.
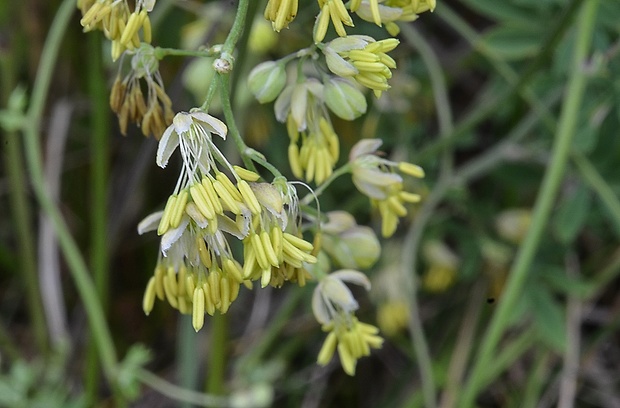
281	13
334	306
267	80
335	11
350	245
152	113
386	12
314	148
376	178
362	58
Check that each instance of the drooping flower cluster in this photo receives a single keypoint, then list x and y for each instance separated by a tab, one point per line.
196	271
153	112
333	305
376	177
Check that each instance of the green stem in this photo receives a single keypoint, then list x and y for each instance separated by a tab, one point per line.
440	90
217	354
187	363
237	28
543	206
538	377
320	189
180	394
99	153
161	53
21	215
100	331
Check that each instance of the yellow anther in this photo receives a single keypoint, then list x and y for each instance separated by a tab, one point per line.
363	55
203	252
248	197
227	200
224	294
160	272
209	304
265	277
190	285
172	278
411	169
130	29
249	260
214	286
229	186
261	256
164	223
246	174
276	242
181	280
233	269
322	23
185	305
234	289
272	258
146	28
396	206
178	209
328	349
215	202
346	360
298	242
409	197
369	66
293	159
149	296
199	196
198	310
171	296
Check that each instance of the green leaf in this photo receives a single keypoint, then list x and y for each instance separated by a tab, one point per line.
501	11
548	316
572	214
557	280
513	42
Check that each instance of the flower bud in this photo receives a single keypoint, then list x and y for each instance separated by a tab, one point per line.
267	80
344	99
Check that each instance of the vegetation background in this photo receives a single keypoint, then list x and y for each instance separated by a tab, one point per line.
511	107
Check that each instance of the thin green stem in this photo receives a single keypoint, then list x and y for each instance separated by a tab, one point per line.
180	394
21	215
217	354
210	94
187	363
440	90
237	28
320	189
100	331
99	218
542	209
161	53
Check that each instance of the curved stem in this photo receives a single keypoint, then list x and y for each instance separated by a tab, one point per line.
543	206
320	189
100	331
178	393
237	28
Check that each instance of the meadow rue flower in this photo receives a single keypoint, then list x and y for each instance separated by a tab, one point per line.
386	12
333	306
119	25
350	245
343	98
442	266
377	178
267	80
362	58
335	11
153	112
314	146
281	13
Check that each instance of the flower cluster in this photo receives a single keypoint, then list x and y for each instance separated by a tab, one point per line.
333	305
118	23
196	271
376	177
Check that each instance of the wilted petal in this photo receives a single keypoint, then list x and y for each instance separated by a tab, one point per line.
150	222
211	124
352	276
173	235
336	292
167	145
364	147
319	308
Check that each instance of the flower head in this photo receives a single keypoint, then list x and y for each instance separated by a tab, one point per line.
281	13
333	305
377	178
335	11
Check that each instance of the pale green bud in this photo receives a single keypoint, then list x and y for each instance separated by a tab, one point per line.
344	99
267	80
338	65
144	62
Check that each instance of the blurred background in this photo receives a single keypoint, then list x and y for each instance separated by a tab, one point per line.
475	101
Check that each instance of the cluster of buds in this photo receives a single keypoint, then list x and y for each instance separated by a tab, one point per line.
388	12
377	178
334	307
362	58
196	272
152	113
121	26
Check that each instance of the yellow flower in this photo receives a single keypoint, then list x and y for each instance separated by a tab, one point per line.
376	177
333	306
393	316
363	59
335	11
281	13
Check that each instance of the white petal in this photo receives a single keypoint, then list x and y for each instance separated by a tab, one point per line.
364	147
150	222
387	13
211	124
167	145
282	106
352	276
227	225
182	122
338	293
173	235
319	308
338	222
196	215
299	104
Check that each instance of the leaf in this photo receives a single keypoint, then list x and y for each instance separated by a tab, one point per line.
548	316
513	42
557	280
572	214
501	11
